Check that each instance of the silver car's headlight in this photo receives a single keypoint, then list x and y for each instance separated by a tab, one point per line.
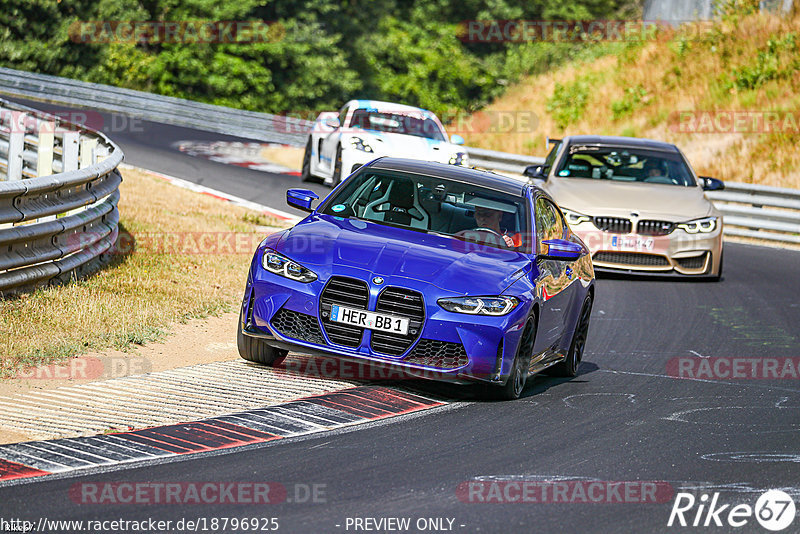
282	266
360	144
479	305
706	225
573	217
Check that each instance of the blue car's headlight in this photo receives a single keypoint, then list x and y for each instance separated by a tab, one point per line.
360	144
282	266
479	305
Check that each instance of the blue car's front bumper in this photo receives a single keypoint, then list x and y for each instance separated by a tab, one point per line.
441	345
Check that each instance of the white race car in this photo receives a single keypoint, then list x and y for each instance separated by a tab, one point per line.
363	130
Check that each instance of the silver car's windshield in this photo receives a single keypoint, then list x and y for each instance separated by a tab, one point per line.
384	121
436	205
622	164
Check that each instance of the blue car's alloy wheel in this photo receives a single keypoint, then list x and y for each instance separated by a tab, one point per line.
569	367
519	370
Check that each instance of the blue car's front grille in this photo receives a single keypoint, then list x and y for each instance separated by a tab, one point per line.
348	292
403	303
439	354
298	325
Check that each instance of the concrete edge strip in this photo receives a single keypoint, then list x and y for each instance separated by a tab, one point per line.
303	416
185	184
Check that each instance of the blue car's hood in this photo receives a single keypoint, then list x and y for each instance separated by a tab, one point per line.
323	243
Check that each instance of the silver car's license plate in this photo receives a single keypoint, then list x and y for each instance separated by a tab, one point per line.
368	319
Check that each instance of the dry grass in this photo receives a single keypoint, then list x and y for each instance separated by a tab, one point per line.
742	63
142	293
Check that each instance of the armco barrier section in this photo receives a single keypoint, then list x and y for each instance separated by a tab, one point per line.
58	197
759	212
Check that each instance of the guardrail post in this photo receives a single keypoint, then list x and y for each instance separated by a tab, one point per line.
44	160
87	155
69	155
16	145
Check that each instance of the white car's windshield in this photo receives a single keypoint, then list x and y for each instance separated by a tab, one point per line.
390	122
434	204
624	164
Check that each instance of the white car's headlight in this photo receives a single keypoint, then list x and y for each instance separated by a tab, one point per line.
279	264
706	225
573	217
479	305
459	158
360	144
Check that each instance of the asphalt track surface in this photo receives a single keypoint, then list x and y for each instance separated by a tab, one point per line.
624	418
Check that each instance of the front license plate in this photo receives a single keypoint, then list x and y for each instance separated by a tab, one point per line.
368	319
632	243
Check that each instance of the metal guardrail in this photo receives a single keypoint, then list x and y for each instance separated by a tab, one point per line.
759	212
58	197
155	108
206	117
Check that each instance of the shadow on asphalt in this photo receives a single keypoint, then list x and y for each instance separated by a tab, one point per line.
633	277
460	393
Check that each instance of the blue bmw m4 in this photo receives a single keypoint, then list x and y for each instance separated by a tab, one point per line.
440	270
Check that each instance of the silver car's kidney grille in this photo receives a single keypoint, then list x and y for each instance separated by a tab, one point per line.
399	302
648	227
616	225
348	292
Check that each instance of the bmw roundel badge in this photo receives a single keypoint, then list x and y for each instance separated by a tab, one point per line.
377	280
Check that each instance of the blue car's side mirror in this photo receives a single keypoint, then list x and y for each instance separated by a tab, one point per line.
301	199
456	139
561	249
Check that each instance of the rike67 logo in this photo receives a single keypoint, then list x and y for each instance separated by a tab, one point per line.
774	510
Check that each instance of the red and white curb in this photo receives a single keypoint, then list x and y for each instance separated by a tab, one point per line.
248	155
185	184
296	418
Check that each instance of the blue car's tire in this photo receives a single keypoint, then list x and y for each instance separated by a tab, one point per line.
515	384
569	367
256	350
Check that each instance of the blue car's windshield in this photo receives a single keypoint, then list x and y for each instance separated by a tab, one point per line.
623	164
434	204
384	121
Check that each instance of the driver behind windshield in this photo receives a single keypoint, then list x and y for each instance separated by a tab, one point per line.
490	218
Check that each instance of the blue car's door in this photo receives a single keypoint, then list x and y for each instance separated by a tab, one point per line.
555	281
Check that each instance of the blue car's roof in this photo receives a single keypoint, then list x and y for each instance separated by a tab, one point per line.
611	140
453	172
